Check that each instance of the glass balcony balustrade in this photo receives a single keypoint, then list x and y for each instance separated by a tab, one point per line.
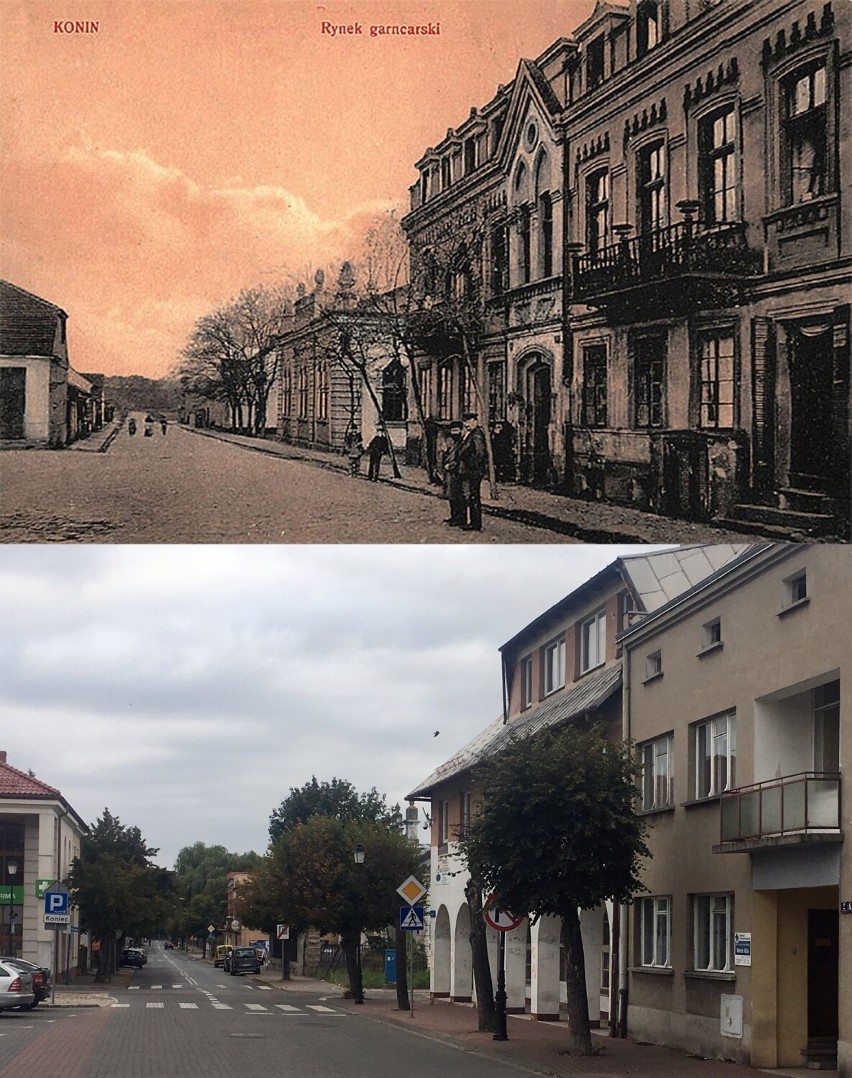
802	804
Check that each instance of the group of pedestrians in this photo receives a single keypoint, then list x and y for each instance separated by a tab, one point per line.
464	464
149	426
377	449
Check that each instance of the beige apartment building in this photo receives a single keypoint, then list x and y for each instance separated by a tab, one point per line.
736	695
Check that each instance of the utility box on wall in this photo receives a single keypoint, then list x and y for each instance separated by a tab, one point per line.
731	1017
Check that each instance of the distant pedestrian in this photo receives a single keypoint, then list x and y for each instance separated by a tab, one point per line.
149	428
163	425
503	448
354	451
376	449
131	426
452	479
473	465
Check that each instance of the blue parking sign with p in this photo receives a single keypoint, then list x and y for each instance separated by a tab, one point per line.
55	901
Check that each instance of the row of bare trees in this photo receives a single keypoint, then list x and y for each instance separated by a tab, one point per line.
392	299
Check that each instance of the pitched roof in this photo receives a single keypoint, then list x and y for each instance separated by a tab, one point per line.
27	322
15	783
589	693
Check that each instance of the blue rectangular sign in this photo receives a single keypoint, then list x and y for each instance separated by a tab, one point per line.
55	901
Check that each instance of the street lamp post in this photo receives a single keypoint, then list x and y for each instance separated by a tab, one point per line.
359	853
11	872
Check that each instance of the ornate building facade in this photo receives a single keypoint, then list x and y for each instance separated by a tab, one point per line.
651	215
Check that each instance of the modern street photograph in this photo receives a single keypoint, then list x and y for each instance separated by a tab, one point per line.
330	811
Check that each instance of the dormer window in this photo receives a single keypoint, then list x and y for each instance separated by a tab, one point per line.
595	62
469	155
647	27
446	178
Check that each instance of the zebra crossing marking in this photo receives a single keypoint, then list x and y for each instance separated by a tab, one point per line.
188	1006
155	1006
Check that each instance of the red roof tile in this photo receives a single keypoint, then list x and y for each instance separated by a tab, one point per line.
15	783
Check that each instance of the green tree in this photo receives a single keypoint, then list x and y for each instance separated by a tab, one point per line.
117	888
557	834
312	879
338	799
201	885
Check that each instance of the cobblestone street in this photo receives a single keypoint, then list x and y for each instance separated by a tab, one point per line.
181	488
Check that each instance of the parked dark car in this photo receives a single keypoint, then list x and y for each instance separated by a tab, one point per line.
132	956
40	976
242	960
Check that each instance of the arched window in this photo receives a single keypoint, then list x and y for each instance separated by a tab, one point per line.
394	397
545	215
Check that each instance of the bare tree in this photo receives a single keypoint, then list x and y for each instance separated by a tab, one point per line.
232	354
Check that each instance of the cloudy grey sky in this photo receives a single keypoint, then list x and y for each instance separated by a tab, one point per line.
188	688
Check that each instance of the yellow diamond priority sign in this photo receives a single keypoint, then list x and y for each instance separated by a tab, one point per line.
412	890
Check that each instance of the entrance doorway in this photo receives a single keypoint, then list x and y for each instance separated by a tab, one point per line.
539	412
811	426
13	381
823	971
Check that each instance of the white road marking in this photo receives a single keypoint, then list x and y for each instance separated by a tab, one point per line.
177	986
222	1007
133	987
121	1004
254	1006
264	987
155	1006
323	1010
289	1008
188	1006
156	986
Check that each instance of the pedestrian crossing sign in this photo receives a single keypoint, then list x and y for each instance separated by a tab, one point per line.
411	918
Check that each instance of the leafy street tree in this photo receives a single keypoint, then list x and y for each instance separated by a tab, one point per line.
337	798
314	880
556	833
201	880
118	889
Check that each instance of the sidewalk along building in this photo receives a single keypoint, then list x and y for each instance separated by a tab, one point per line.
40	836
736	695
43	400
565	666
339	374
635	254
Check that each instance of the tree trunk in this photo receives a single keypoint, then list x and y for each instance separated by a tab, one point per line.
479	952
421	417
352	951
402	943
483	412
575	984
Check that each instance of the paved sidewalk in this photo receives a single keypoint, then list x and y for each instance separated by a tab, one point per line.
539	1046
590	522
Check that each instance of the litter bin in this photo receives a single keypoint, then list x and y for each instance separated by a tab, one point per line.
390	965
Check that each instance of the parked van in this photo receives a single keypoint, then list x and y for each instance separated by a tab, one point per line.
221	954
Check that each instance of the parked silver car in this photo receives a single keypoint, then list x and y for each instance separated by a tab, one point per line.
16	987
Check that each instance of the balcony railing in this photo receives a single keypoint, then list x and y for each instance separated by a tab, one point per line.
807	803
666	253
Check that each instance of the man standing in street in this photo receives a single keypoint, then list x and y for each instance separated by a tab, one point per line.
376	449
452	479
473	466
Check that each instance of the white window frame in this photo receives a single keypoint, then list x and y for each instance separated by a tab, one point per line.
795	588
443	822
526	681
657	772
653	665
655	932
593	641
554	665
715	743
711	634
713	933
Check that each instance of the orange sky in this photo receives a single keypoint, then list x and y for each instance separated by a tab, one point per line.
190	149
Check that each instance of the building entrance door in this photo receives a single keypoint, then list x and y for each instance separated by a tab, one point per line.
811	426
13	382
823	970
539	415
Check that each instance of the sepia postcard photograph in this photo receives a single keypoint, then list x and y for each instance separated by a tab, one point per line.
463	271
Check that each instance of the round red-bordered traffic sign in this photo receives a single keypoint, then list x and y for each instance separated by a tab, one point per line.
502	920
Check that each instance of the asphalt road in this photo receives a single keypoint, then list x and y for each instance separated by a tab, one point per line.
178	1018
181	488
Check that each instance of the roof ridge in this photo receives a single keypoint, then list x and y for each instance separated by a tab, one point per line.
31	780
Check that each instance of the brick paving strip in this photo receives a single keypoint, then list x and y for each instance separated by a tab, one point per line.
64	1049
